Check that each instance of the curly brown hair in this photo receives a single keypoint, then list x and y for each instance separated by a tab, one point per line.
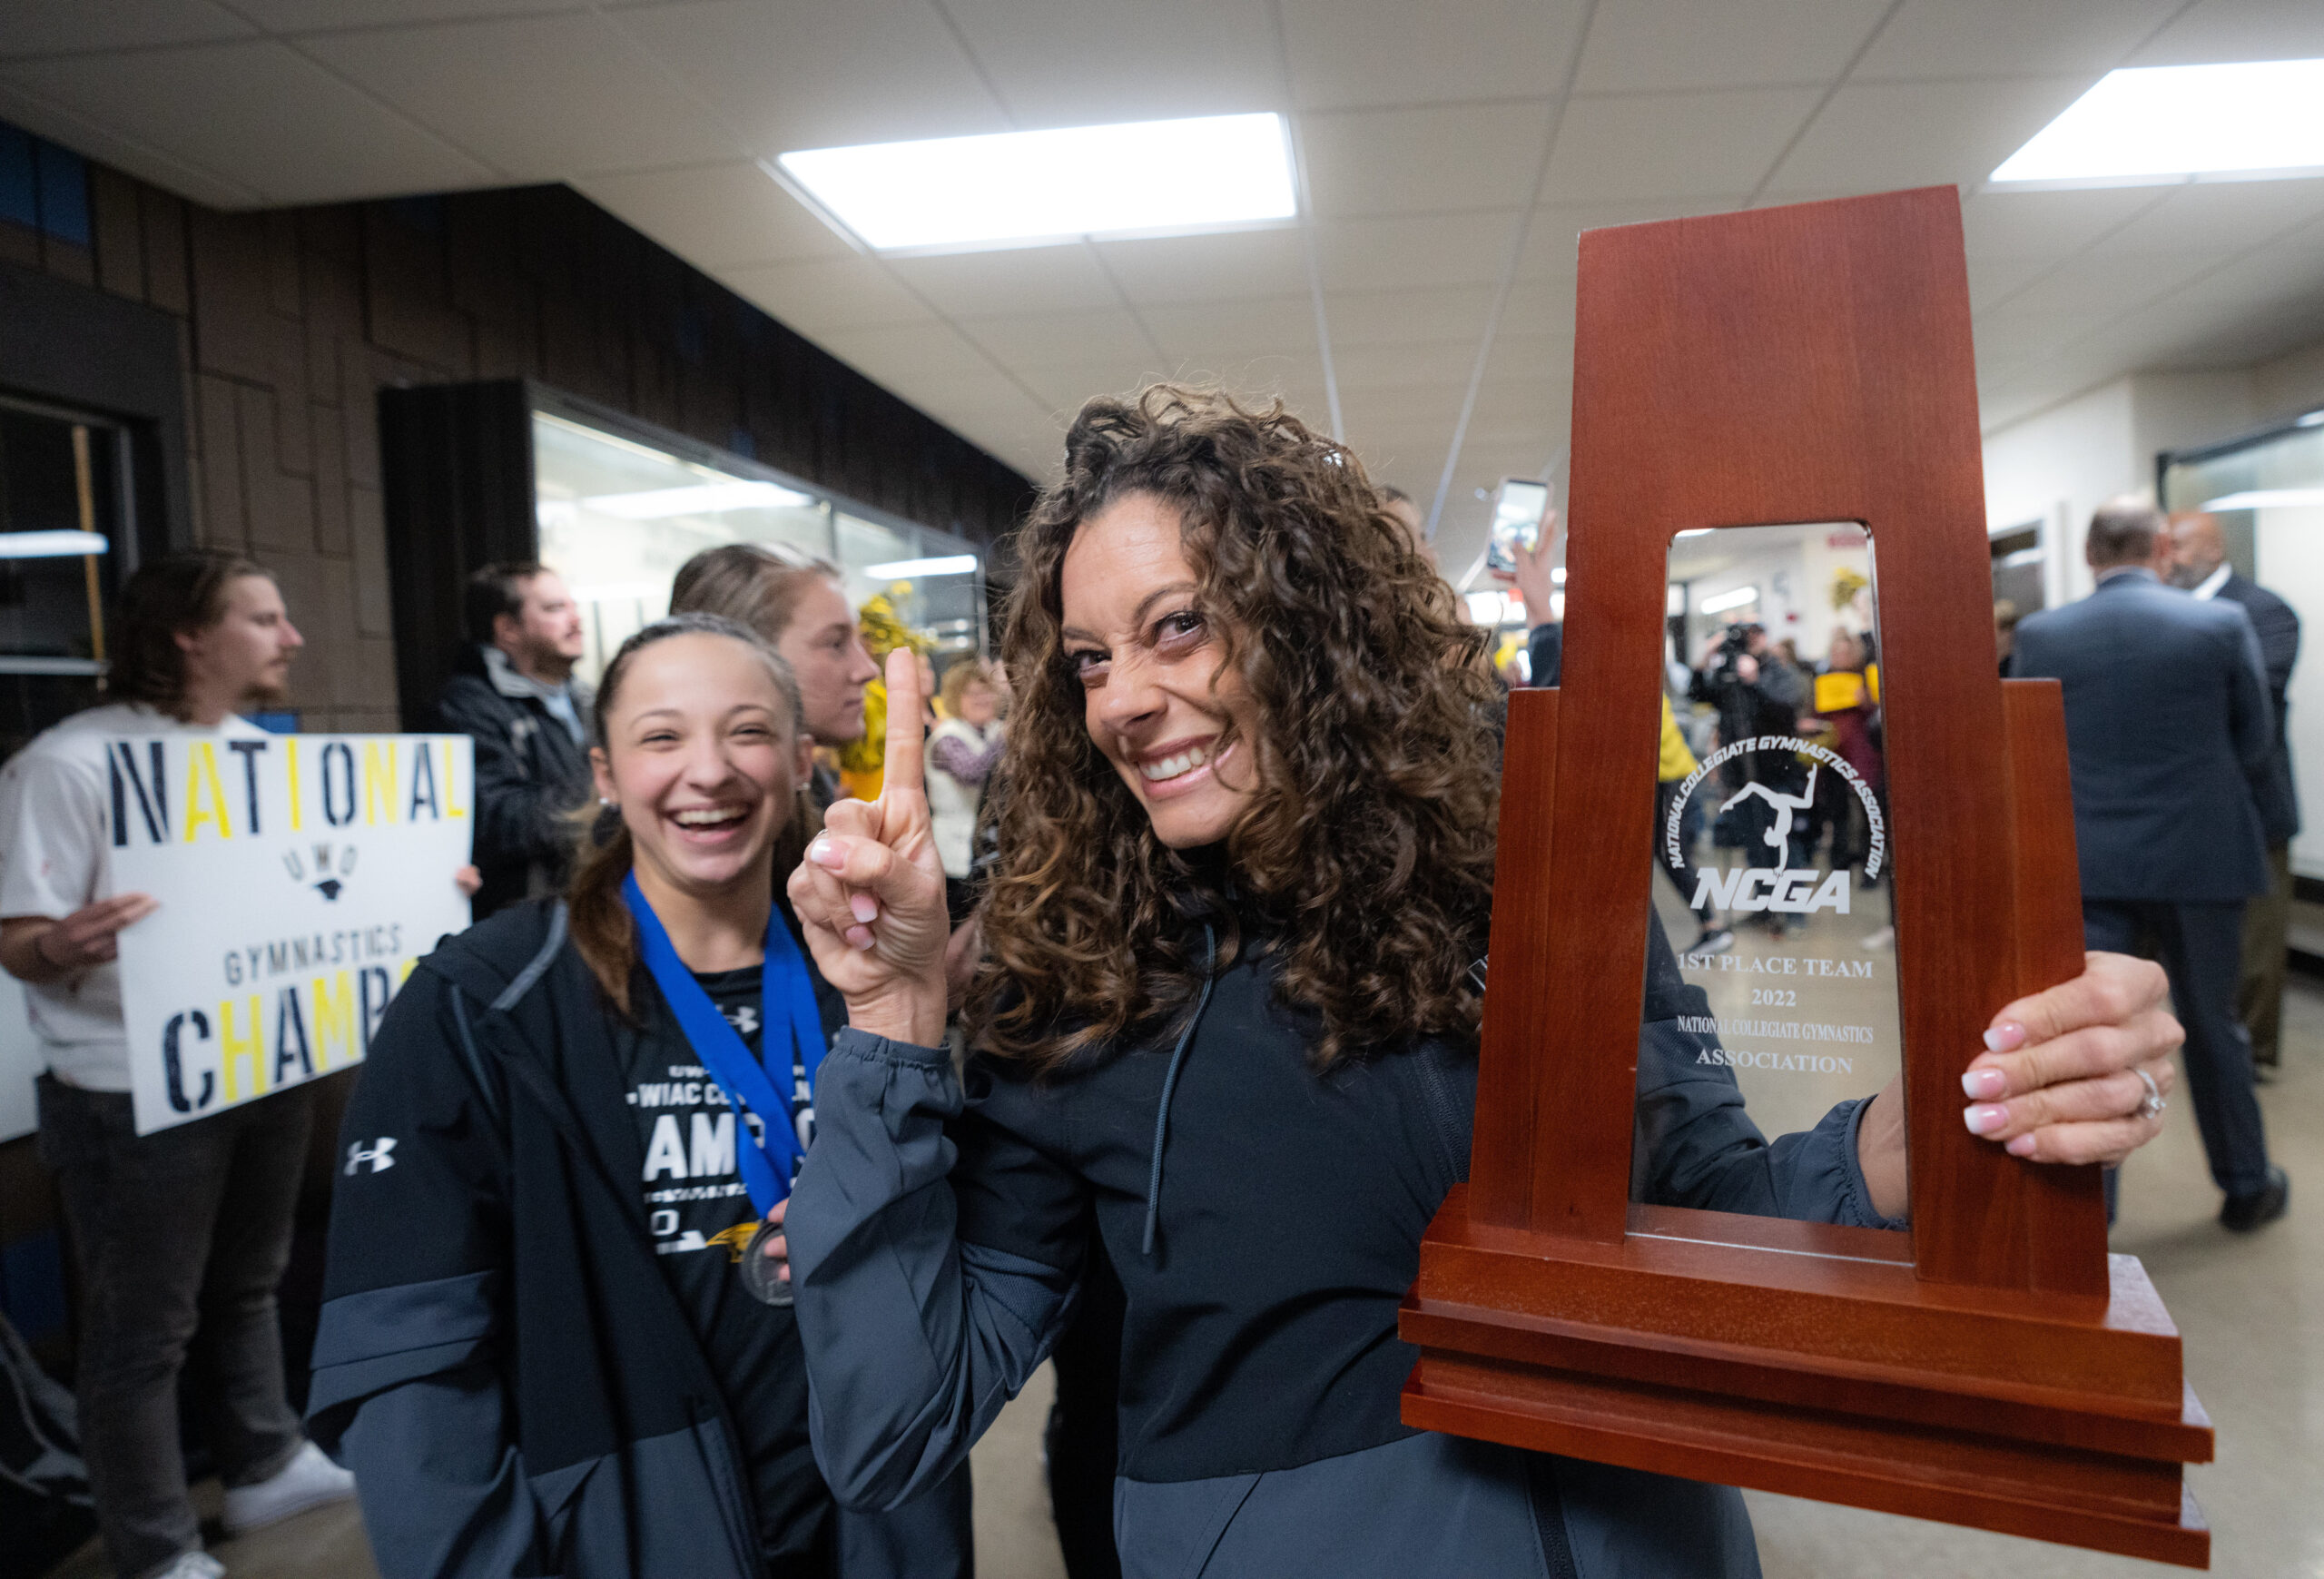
1366	854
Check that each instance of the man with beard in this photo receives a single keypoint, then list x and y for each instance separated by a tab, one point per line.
180	1236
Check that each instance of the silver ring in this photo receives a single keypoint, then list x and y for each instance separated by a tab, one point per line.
2150	1104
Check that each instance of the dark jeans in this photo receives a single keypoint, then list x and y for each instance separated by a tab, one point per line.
180	1237
2201	949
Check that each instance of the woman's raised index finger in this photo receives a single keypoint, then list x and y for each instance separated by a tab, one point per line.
901	768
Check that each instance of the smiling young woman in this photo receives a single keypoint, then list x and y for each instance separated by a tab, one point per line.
540	1349
1227	1025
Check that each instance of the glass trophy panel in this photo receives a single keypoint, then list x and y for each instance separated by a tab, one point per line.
1771	816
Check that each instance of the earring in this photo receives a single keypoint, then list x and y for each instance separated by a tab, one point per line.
607	804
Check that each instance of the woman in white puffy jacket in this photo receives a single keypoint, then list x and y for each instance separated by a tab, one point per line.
961	752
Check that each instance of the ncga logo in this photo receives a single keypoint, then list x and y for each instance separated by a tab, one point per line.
1786	889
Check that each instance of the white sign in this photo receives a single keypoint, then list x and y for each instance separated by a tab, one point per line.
300	877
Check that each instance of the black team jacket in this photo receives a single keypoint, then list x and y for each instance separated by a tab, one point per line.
1265	1220
500	1360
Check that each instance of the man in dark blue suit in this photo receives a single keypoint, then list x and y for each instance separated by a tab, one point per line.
2198	564
2168	725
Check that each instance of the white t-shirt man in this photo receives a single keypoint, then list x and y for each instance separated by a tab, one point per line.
56	855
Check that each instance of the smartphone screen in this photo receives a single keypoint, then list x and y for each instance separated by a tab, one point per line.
1517	512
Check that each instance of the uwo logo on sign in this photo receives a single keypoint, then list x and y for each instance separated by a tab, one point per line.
1775	808
300	878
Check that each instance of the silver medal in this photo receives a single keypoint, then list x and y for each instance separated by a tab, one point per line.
762	1276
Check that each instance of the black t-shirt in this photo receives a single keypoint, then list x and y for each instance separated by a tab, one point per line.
700	1216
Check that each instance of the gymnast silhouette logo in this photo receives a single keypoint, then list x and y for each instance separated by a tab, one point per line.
1778	833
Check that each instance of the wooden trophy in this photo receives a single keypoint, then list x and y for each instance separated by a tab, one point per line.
1994	1366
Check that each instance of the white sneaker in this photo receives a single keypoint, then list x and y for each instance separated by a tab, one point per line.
308	1481
193	1565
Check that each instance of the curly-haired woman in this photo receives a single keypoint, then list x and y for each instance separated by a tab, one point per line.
1246	867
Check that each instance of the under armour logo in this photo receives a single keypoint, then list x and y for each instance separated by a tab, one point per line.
375	1154
743	1017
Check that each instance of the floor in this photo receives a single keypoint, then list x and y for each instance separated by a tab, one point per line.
2251	1310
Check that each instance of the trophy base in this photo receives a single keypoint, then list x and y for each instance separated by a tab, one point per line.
1811	1360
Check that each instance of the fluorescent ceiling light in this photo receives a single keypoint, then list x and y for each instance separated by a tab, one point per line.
904	570
706	500
1720	602
51	545
1025	188
2157	124
2268	498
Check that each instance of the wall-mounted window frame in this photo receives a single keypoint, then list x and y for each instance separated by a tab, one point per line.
462	489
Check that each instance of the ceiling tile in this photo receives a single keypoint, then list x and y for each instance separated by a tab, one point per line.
2046	224
2105	283
1348	53
829	294
1076	62
1552	246
320	16
2230	30
897	354
1655	145
1391	254
540	97
1992	280
1231	266
788	74
1422	161
716	215
1268	325
273	122
1963	39
1394	317
1878	136
96	138
1415	362
1659	44
56	26
1013	281
2222	216
1538	307
1247	371
1050	339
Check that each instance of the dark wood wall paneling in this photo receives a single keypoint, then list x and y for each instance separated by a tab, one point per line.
292	321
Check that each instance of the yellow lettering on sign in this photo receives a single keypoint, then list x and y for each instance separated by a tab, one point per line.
378	781
235	1049
403	969
201	772
334	999
293	743
452	807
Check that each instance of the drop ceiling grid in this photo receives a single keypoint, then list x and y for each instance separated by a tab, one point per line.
1416	121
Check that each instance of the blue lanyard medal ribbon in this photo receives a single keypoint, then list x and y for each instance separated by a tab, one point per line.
787	998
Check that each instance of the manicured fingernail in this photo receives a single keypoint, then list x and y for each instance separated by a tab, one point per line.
2021	1147
859	940
1985	1118
2006	1037
864	908
1983	1084
823	852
